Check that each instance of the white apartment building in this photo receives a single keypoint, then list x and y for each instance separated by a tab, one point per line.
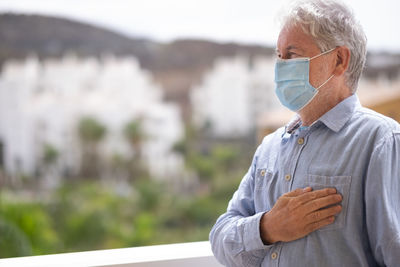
233	94
42	103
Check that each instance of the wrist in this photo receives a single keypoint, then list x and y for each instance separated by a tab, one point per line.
266	231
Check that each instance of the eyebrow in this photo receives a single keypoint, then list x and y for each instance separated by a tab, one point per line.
290	47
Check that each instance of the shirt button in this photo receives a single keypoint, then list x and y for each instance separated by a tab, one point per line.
300	141
274	255
262	172
288	177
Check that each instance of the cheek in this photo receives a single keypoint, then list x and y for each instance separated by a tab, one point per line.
318	74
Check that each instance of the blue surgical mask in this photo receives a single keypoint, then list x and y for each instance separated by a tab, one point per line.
293	86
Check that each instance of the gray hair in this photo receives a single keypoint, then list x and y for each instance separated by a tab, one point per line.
331	23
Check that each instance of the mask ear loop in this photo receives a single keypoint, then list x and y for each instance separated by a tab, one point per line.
317	91
325	82
323	53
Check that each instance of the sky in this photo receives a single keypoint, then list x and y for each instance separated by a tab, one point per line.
243	21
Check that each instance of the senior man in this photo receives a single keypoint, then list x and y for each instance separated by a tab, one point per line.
325	189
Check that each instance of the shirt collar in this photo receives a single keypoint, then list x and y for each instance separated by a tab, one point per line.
293	125
339	115
334	119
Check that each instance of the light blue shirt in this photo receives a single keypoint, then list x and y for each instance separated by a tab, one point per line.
351	148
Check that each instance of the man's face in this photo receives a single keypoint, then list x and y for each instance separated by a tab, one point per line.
294	43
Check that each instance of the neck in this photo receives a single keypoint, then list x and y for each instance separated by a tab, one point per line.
323	102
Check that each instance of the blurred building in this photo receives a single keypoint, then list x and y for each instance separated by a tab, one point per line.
233	94
42	102
381	95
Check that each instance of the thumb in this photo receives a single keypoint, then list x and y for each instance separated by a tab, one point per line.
298	192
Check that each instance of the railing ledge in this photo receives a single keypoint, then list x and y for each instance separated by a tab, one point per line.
195	254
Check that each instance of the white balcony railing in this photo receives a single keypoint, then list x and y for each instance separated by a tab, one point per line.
197	254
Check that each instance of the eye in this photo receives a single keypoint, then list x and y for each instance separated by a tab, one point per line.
292	55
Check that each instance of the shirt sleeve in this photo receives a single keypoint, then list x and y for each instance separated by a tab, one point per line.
235	238
382	200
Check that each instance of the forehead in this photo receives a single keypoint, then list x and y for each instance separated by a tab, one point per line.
293	37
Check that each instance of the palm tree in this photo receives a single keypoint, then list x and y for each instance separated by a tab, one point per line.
50	175
91	132
135	135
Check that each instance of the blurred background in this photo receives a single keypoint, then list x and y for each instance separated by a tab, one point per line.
131	123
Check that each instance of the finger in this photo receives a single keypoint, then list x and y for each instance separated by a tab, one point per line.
322	214
317	225
309	196
321	203
298	192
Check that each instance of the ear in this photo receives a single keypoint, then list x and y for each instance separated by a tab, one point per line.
342	60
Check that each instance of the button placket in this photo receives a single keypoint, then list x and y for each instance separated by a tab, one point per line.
275	254
289	178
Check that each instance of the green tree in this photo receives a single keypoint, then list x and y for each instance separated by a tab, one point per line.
226	156
28	225
13	242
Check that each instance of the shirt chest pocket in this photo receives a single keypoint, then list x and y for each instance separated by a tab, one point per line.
342	185
267	189
263	179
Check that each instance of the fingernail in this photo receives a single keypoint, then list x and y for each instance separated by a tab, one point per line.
332	190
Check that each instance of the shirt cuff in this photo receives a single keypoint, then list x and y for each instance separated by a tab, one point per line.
252	238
